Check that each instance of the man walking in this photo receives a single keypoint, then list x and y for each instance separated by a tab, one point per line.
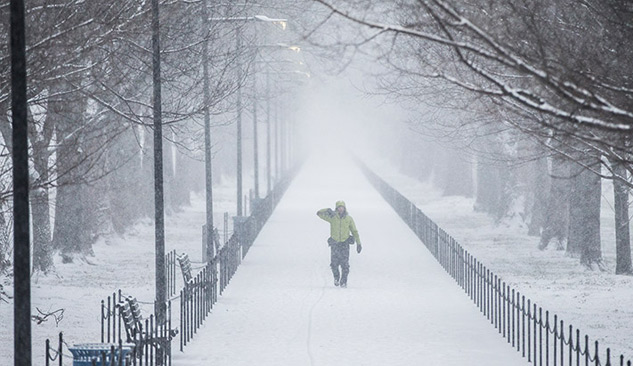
341	225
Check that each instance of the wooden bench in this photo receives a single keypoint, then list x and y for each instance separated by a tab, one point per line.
185	268
132	318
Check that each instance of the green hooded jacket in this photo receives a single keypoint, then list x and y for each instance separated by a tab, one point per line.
340	225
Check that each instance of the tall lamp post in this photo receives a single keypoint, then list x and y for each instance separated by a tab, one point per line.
159	210
268	162
239	128
208	177
21	237
257	18
255	144
277	129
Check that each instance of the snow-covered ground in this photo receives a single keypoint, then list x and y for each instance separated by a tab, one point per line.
400	308
125	263
281	308
595	302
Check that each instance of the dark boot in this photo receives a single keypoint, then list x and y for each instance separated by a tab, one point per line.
336	274
344	274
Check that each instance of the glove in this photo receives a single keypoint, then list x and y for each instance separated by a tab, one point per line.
330	212
359	248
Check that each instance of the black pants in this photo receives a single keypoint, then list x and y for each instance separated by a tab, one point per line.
339	256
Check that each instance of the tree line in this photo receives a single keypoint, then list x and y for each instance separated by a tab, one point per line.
544	85
90	115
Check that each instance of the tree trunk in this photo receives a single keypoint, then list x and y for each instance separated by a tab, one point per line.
40	141
182	178
168	174
493	193
486	187
622	237
539	185
6	241
417	157
556	223
40	200
42	250
454	173
126	198
584	213
72	233
147	173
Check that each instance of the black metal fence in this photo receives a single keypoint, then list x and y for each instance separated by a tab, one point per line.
55	353
261	209
111	321
150	341
198	297
196	301
537	334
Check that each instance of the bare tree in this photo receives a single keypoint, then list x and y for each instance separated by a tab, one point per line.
564	65
88	79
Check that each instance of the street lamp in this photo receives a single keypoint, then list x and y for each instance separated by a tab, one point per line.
208	177
21	255
159	209
255	135
278	131
260	18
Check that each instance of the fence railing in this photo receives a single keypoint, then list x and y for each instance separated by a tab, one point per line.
196	301
152	344
55	353
261	209
542	338
198	297
152	340
111	321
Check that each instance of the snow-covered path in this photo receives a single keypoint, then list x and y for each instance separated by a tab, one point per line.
400	308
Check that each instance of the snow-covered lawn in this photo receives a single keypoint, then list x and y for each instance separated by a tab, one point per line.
125	263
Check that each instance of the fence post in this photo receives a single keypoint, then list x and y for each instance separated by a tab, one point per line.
491	295
540	335
529	331
496	303
519	317
182	319
102	322
555	342
109	311
535	324
562	343
503	310
577	347
60	349
512	306
586	350
48	353
571	342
